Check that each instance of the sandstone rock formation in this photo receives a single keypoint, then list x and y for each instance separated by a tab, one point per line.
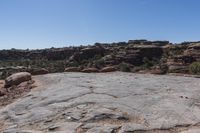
13	93
193	51
90	70
50	54
72	69
39	71
108	69
106	102
140	54
17	78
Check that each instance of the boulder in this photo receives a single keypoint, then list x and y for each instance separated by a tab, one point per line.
17	78
158	69
90	70
72	69
177	69
39	71
108	69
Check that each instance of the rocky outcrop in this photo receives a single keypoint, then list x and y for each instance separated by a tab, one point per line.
114	54
49	54
140	54
38	71
17	78
90	52
146	42
87	53
108	69
2	90
179	64
11	94
90	70
193	51
182	56
72	69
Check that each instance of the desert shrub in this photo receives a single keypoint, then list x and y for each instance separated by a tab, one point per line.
176	50
147	63
54	66
136	69
194	68
97	57
73	64
4	74
124	67
99	63
163	68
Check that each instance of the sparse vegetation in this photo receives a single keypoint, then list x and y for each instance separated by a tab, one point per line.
194	68
176	50
147	63
129	57
12	66
99	63
124	67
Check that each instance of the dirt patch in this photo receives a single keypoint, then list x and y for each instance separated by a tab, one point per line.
9	95
1	125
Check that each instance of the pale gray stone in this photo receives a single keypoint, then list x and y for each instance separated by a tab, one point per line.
108	102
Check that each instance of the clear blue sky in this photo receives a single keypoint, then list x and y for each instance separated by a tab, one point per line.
57	23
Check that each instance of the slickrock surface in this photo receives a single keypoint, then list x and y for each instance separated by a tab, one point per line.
106	103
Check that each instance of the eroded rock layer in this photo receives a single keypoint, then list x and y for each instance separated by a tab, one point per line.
134	55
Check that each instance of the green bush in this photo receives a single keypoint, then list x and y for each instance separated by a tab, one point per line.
99	63
194	68
124	67
147	63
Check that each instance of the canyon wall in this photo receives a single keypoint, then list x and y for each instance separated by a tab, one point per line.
136	55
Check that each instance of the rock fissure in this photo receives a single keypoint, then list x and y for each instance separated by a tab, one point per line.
96	108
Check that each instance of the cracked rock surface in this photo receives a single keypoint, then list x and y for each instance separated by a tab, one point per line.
106	103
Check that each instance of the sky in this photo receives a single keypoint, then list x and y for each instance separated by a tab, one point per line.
59	23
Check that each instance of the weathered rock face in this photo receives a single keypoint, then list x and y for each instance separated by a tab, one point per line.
2	90
72	69
11	94
39	71
181	56
179	63
88	53
17	78
90	70
193	51
106	103
115	55
108	69
50	54
142	54
146	42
